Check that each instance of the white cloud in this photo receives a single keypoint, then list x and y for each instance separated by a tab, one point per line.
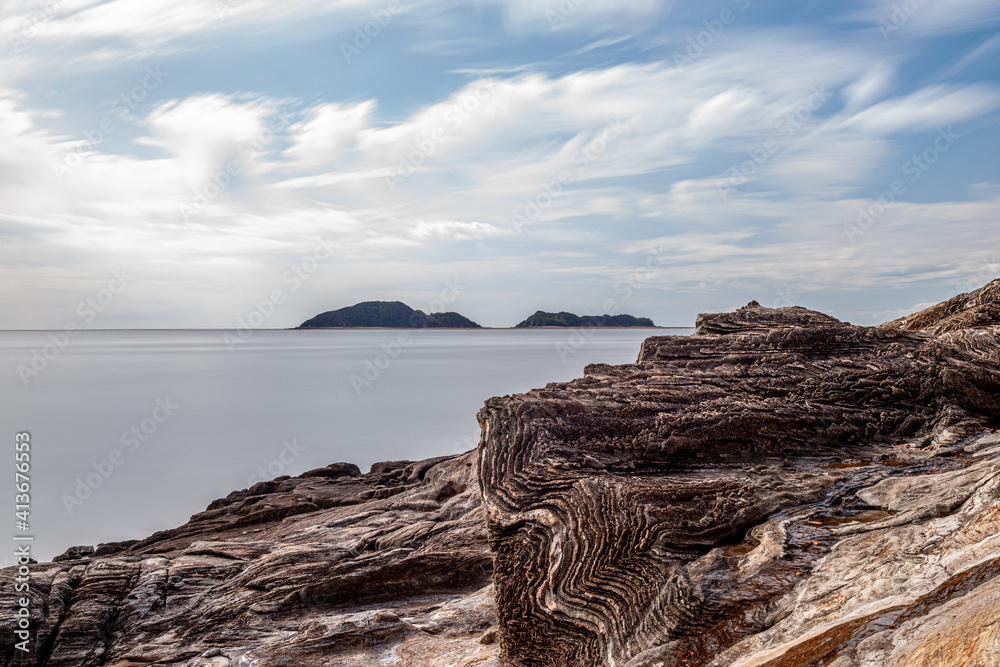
724	114
808	248
206	131
23	149
985	48
160	19
927	108
543	15
897	19
827	165
459	230
869	88
332	128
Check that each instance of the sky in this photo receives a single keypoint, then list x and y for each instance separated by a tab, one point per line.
218	163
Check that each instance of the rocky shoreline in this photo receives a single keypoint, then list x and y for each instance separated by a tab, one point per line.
778	489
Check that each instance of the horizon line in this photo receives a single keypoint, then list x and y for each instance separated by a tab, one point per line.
334	329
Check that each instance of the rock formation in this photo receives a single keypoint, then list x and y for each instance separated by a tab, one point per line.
659	513
974	310
328	568
778	489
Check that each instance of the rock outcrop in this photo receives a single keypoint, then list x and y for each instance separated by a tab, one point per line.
779	489
328	568
973	310
680	509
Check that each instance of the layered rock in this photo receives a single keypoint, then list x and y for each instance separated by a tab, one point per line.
913	582
329	568
974	310
662	512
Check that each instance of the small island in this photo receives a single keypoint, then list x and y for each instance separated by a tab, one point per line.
386	315
564	319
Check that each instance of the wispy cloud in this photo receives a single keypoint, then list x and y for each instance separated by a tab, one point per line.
743	165
927	108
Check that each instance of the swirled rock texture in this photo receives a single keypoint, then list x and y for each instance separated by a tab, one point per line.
911	583
663	512
328	568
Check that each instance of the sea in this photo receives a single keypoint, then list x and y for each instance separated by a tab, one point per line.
133	431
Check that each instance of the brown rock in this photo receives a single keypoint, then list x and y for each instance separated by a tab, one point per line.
316	571
618	504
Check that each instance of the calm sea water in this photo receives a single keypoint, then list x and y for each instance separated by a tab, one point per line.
134	431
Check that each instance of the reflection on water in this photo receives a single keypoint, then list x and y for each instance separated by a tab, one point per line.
134	431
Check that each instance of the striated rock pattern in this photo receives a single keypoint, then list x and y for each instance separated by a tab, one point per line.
663	512
329	568
911	582
977	309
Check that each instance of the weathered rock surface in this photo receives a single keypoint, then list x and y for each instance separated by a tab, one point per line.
329	568
779	489
978	309
712	502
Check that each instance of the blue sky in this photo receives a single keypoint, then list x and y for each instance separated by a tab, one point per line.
655	158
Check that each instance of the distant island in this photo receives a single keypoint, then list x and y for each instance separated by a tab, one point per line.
387	315
563	319
397	315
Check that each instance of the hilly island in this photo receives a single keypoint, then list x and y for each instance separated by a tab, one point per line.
389	315
397	315
563	319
